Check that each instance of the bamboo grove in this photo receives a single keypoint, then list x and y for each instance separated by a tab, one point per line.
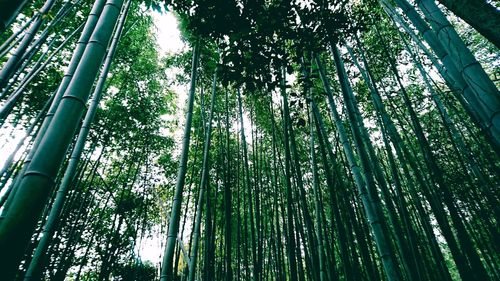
318	140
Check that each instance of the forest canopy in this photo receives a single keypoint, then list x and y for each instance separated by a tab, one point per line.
287	140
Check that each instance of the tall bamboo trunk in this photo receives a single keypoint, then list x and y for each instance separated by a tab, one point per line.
482	96
203	185
76	154
228	199
373	211
481	15
248	188
472	72
317	195
461	148
173	226
290	238
280	263
85	36
475	268
334	203
25	207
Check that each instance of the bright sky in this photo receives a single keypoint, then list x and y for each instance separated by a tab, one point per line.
169	39
168	33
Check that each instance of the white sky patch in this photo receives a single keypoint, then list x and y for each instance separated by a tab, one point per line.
168	34
151	248
170	41
9	141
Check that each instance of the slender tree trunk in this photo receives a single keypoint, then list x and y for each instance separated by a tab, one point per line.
280	262
227	199
379	231
317	195
335	207
289	221
248	187
459	143
173	226
203	185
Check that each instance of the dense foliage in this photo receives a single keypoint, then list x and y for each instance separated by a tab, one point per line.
321	140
